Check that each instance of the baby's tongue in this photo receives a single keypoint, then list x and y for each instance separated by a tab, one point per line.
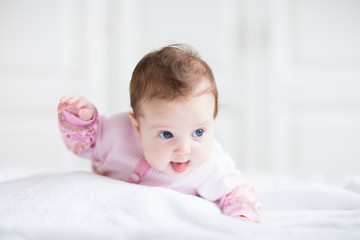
179	167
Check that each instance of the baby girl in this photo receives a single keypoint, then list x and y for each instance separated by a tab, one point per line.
168	138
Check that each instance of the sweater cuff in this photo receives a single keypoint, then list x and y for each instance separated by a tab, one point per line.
241	202
69	120
243	209
78	139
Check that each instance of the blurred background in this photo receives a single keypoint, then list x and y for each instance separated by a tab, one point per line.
288	73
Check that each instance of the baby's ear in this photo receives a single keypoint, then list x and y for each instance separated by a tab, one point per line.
135	123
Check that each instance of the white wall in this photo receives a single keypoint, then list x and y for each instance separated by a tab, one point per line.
288	72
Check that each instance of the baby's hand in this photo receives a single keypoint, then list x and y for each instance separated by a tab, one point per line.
243	218
79	106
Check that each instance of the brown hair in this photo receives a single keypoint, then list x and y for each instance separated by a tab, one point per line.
173	71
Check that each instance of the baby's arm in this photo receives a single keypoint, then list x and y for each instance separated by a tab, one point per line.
78	123
78	106
242	203
228	189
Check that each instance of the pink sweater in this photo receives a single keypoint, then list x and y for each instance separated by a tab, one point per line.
116	151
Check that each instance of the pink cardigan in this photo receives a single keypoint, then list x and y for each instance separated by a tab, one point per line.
115	151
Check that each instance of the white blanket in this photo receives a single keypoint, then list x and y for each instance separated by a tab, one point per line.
81	205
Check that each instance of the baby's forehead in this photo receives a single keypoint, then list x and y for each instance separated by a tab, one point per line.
199	104
179	99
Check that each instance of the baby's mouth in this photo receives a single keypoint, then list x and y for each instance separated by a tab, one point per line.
179	167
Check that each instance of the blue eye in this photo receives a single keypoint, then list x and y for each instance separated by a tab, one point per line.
198	133
166	134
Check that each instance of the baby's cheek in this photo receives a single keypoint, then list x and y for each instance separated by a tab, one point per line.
157	154
202	154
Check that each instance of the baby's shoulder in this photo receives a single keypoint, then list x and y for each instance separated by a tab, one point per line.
117	120
120	118
118	124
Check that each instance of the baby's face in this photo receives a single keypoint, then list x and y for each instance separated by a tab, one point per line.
177	135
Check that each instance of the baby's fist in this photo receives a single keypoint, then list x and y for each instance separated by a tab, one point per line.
78	106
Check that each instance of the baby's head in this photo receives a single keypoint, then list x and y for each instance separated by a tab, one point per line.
171	72
175	101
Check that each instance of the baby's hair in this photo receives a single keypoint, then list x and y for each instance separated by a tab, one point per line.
170	72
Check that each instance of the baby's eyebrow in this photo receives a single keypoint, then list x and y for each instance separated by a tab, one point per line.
161	126
166	127
203	123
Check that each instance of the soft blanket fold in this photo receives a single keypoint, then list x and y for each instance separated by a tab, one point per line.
81	205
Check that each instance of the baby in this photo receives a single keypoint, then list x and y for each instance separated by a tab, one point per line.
168	139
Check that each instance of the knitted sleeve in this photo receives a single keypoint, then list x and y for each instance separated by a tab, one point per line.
79	136
241	202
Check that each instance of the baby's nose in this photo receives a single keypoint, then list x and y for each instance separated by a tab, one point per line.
182	149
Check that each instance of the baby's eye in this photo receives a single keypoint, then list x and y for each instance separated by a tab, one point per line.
166	134
198	133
